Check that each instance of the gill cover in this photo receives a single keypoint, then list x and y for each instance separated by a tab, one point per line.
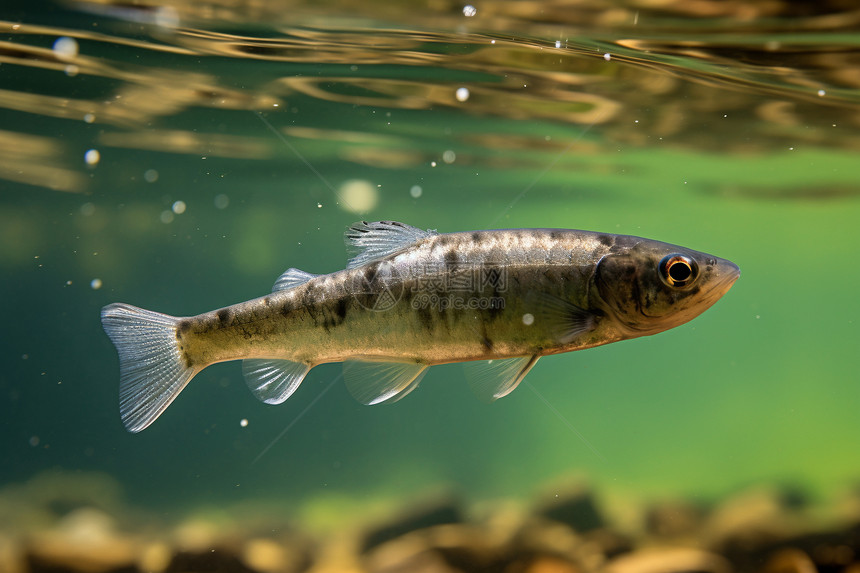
647	286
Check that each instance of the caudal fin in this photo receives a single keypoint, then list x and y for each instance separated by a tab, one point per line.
152	370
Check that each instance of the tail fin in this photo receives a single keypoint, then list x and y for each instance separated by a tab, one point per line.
152	370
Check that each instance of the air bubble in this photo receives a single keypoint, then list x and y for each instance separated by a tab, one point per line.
65	47
92	157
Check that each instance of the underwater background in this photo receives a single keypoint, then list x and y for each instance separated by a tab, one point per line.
179	156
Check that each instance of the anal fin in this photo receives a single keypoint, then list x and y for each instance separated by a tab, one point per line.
273	381
493	379
372	382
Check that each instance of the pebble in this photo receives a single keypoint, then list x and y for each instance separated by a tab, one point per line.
84	540
669	560
575	507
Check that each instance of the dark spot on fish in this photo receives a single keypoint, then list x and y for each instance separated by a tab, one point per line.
370	274
338	313
183	327
452	257
488	344
556	235
605	240
224	316
425	317
477	237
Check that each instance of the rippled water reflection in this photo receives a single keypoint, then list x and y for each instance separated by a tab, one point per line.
644	76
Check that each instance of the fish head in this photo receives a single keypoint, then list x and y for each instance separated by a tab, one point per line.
649	286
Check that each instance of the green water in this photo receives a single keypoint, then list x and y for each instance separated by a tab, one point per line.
746	162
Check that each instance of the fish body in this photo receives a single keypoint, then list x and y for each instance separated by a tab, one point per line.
410	299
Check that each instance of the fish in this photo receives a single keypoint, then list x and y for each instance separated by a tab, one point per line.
408	299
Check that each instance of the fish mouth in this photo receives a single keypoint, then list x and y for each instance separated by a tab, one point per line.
727	274
725	277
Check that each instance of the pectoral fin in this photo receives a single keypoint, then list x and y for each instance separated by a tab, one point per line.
273	381
561	317
381	382
493	379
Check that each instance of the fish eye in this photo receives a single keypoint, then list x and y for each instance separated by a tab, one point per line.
678	270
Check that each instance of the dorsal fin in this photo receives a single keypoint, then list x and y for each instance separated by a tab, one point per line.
369	241
292	278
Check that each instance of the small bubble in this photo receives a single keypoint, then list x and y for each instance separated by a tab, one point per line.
607	57
92	157
68	283
462	94
469	11
25	356
358	195
416	191
449	156
558	43
167	216
319	205
87	209
243	422
221	201
34	441
89	117
432	164
821	93
178	207
528	319
150	175
65	47
71	70
96	284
